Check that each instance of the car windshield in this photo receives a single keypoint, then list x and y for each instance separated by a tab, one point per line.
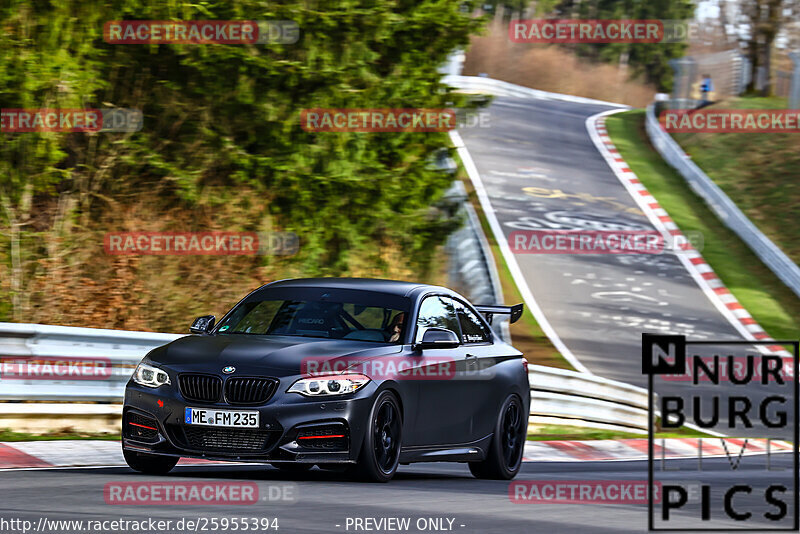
360	319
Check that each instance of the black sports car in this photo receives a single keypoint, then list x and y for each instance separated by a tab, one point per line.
354	374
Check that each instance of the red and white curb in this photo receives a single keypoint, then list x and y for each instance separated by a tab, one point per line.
87	453
700	270
68	453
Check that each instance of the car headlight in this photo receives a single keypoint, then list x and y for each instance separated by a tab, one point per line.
323	386
152	377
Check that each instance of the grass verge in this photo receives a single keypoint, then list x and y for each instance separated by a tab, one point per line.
767	299
7	434
574	433
760	172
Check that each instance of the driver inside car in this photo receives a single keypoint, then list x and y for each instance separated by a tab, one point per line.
396	327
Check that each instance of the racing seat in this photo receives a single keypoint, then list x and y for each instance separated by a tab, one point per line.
315	319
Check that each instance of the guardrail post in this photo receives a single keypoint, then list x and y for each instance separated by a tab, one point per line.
794	91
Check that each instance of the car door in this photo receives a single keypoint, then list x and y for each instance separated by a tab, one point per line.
487	386
446	400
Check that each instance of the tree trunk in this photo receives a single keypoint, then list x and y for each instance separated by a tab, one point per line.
753	50
771	28
16	272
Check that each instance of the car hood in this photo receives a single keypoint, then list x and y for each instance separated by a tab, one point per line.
272	355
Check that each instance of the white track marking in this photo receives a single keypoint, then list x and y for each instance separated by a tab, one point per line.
511	261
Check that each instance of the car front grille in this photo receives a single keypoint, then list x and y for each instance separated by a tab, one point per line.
228	439
249	390
200	388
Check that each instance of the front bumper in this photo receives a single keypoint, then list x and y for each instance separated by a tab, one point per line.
292	428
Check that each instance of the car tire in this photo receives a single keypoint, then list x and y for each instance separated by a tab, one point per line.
380	452
149	464
504	458
293	468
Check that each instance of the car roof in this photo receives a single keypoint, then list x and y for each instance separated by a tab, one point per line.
396	287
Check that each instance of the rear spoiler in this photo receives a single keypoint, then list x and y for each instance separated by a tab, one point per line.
514	311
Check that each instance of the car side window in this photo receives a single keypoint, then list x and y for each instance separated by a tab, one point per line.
437	312
473	330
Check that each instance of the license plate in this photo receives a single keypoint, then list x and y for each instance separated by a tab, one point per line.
201	416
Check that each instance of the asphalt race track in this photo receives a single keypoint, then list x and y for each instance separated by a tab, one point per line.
540	169
324	500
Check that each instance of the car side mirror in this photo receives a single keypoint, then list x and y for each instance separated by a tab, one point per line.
438	338
202	325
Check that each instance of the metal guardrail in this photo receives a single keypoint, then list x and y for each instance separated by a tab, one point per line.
557	395
479	84
123	349
724	208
